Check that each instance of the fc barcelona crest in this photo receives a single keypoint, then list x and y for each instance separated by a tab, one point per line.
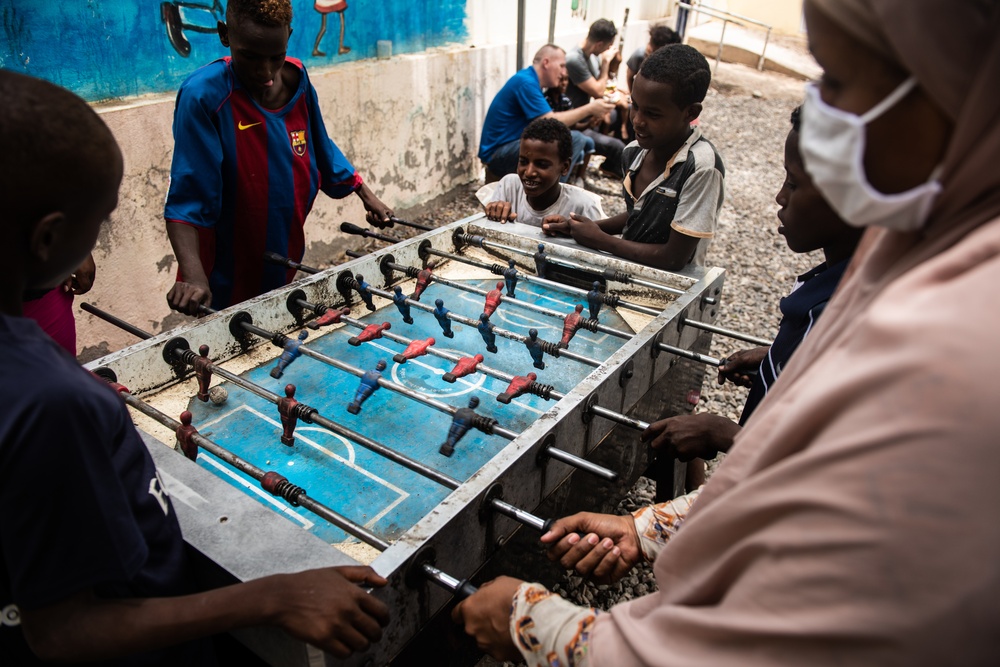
298	141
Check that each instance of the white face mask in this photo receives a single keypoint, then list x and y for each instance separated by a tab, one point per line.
832	143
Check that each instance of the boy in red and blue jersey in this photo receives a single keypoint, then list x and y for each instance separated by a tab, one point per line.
251	153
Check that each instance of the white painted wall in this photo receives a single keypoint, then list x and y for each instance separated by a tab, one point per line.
410	125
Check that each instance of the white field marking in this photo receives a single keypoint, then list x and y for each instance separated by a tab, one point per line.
178	490
267	497
347	443
401	495
219	417
472	386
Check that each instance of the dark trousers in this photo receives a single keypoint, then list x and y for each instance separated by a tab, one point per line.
610	148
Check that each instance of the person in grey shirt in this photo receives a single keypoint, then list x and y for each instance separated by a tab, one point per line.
589	69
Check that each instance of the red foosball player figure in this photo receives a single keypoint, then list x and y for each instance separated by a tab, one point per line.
570	325
203	371
331	316
416	348
370	332
465	366
424	278
517	386
184	434
493	299
286	408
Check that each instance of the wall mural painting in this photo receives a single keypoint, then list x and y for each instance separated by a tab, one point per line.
125	48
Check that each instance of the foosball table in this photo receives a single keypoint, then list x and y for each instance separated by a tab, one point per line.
412	409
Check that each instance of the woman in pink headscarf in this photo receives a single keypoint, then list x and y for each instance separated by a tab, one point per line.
854	521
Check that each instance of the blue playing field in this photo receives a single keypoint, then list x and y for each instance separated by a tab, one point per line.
362	486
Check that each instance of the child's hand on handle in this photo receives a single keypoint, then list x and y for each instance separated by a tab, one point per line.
485	616
688	437
377	214
602	547
186	297
739	367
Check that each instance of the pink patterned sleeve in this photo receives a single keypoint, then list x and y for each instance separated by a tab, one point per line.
656	524
548	630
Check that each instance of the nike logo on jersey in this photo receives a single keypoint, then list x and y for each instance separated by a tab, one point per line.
247	127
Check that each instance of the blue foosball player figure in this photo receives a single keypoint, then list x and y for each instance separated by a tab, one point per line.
399	299
365	292
441	313
369	383
290	354
510	278
461	422
541	261
535	349
595	299
486	331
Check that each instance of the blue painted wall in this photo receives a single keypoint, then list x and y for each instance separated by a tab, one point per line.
112	49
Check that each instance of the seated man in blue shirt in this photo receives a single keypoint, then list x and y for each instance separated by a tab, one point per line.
521	101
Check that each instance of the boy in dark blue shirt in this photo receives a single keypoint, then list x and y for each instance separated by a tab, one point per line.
807	223
92	562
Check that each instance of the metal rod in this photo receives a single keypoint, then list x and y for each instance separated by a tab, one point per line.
258	474
486	370
553	452
351	228
444	354
407	223
582	464
618	417
617	276
541	281
688	354
382	382
461	588
722	39
552	21
704	326
767	38
122	324
510	301
520	35
521	516
274	258
364	441
504	333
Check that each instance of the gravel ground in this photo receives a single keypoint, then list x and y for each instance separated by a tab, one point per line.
746	117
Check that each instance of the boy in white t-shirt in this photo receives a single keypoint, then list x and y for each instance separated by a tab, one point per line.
534	193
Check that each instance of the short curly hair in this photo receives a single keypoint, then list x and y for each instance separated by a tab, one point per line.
796	119
681	67
550	129
262	12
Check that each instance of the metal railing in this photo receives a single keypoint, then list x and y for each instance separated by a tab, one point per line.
727	18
